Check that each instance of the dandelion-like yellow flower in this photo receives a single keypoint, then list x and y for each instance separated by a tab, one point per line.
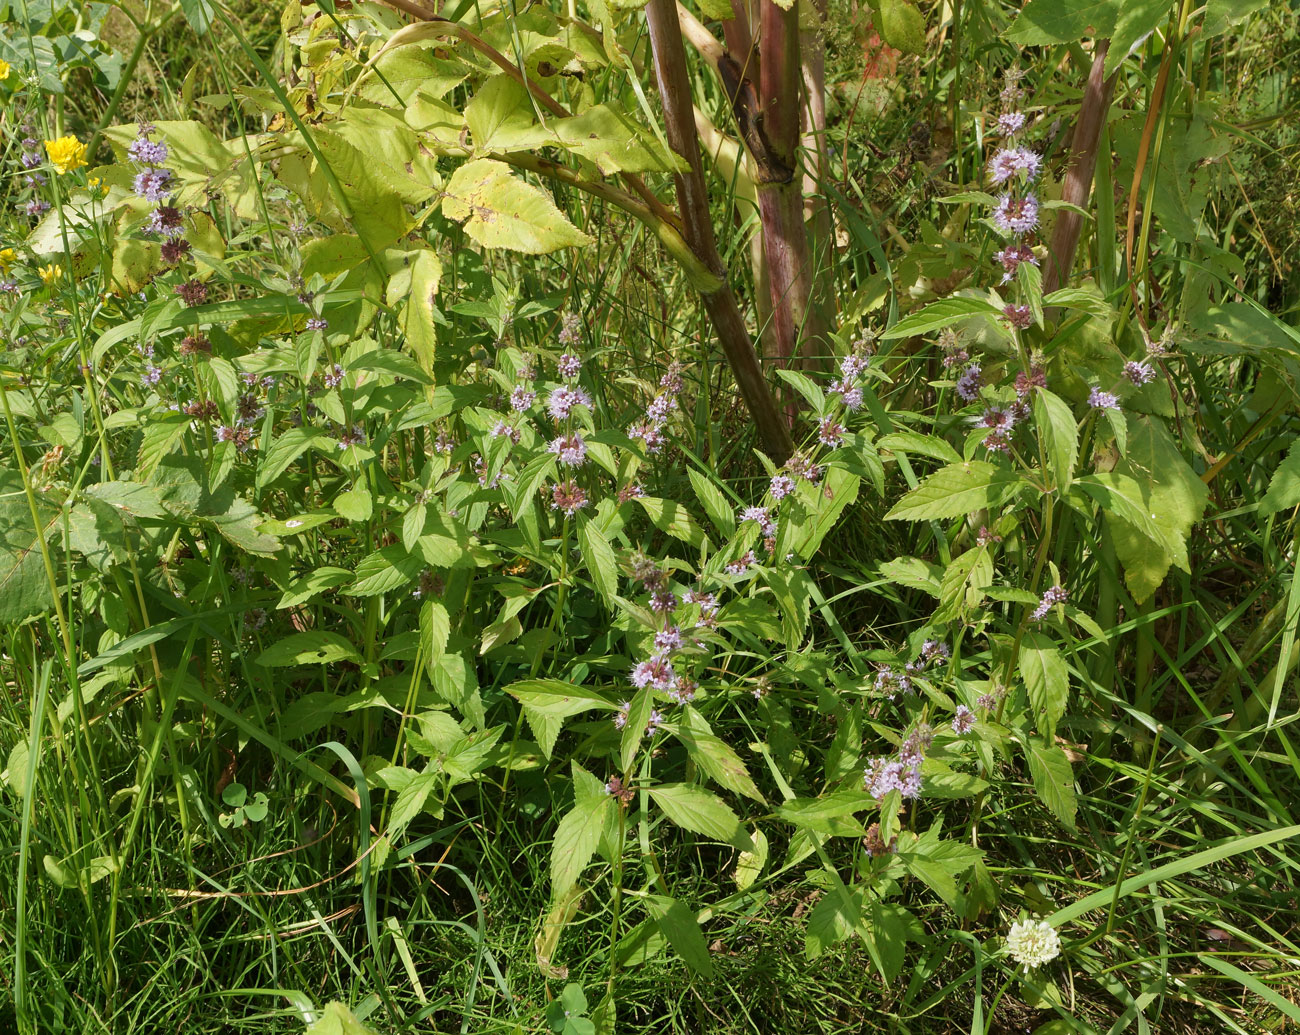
51	274
66	154
97	186
7	258
4	70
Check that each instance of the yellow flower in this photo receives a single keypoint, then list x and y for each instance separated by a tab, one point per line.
97	186
66	154
4	70
7	258
51	273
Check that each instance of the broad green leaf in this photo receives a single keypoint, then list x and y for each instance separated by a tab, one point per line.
548	702
955	491
713	501
674	519
714	755
435	629
702	812
902	26
920	445
285	448
337	1019
682	930
638	715
1047	680
833	919
937	315
356	504
1284	487
501	211
309	648
1063	21
602	565
387	568
575	842
749	865
831	815
1053	779
24	583
313	584
1136	20
1060	435
963	583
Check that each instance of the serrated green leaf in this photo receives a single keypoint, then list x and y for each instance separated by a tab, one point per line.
714	755
955	491
602	564
575	842
1063	21
941	314
309	648
683	932
1053	779
1060	435
1047	680
702	812
714	502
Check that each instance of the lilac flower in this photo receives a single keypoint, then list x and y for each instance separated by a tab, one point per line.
485	480
889	681
37	207
648	434
146	151
1011	122
801	466
354	437
1027	383
684	690
571	449
660	407
192	292
570	366
854	365
443	444
830	432
563	399
568	497
963	720
502	429
912	751
968	385
995	418
570	330
739	567
166	220
762	517
334	376
521	398
663	600
241	437
1019	316
154	184
1100	400
672	379
1010	258
781	486
657	672
1055	595
1029	163
883	775
620	716
669	639
653	722
708	602
1139	373
850	394
152	375
986	701
1003	166
317	323
1016	214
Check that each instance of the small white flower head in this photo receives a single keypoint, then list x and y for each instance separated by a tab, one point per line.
1032	943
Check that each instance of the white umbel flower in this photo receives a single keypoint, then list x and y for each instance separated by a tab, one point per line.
1033	942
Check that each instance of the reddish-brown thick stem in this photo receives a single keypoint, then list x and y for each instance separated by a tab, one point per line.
697	227
1083	165
780	188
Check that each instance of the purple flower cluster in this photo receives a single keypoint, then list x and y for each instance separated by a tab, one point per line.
765	521
1139	373
963	720
650	430
883	775
1055	595
852	367
1100	400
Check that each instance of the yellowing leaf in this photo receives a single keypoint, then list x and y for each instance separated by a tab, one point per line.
501	211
